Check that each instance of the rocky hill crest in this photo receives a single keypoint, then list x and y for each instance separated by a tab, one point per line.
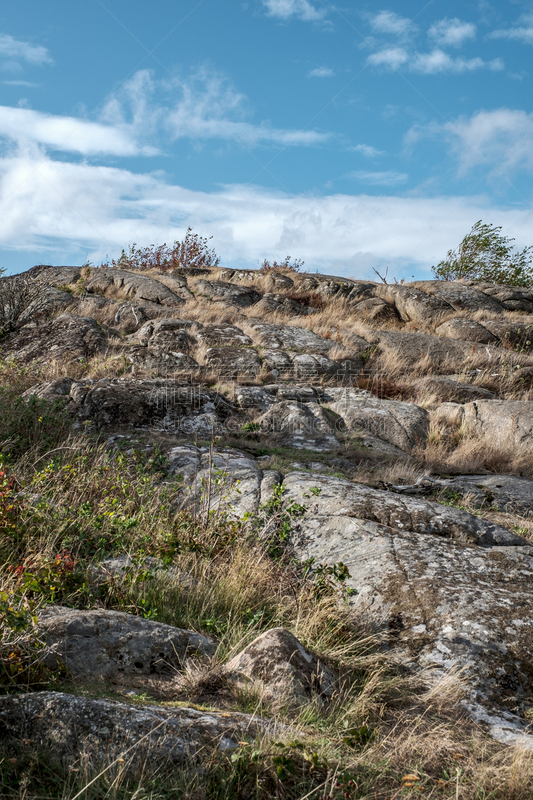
373	440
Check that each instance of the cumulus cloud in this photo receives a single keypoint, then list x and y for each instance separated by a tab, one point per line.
452	32
65	211
436	61
522	32
385	178
301	9
390	23
13	52
367	150
321	72
503	137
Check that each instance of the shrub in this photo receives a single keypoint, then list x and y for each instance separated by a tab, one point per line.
37	425
191	253
286	264
486	255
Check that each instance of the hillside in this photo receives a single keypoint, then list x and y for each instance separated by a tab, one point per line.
265	534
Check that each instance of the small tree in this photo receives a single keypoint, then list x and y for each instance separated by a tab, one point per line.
191	253
486	255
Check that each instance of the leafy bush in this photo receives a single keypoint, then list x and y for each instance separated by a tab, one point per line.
286	264
486	255
191	253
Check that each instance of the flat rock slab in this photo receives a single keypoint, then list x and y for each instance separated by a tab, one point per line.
227	294
289	337
104	644
223	334
506	492
404	425
150	738
444	389
170	404
447	602
345	498
285	668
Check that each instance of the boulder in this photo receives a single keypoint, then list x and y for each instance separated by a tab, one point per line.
227	294
289	337
469	329
404	425
285	668
302	425
67	337
412	303
503	423
222	335
375	310
174	404
219	479
228	363
104	644
118	283
460	296
151	738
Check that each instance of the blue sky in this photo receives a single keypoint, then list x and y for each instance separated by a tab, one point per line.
350	136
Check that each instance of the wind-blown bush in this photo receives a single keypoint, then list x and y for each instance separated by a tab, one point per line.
486	255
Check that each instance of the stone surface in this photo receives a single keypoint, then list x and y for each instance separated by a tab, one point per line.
117	283
227	294
65	338
228	363
285	668
449	594
71	728
222	335
444	389
289	337
501	422
469	329
301	425
507	493
404	425
95	645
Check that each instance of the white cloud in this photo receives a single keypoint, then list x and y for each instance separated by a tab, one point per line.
452	32
437	61
65	211
392	57
20	83
503	137
26	127
367	150
321	72
14	51
385	178
302	9
390	23
201	107
523	32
